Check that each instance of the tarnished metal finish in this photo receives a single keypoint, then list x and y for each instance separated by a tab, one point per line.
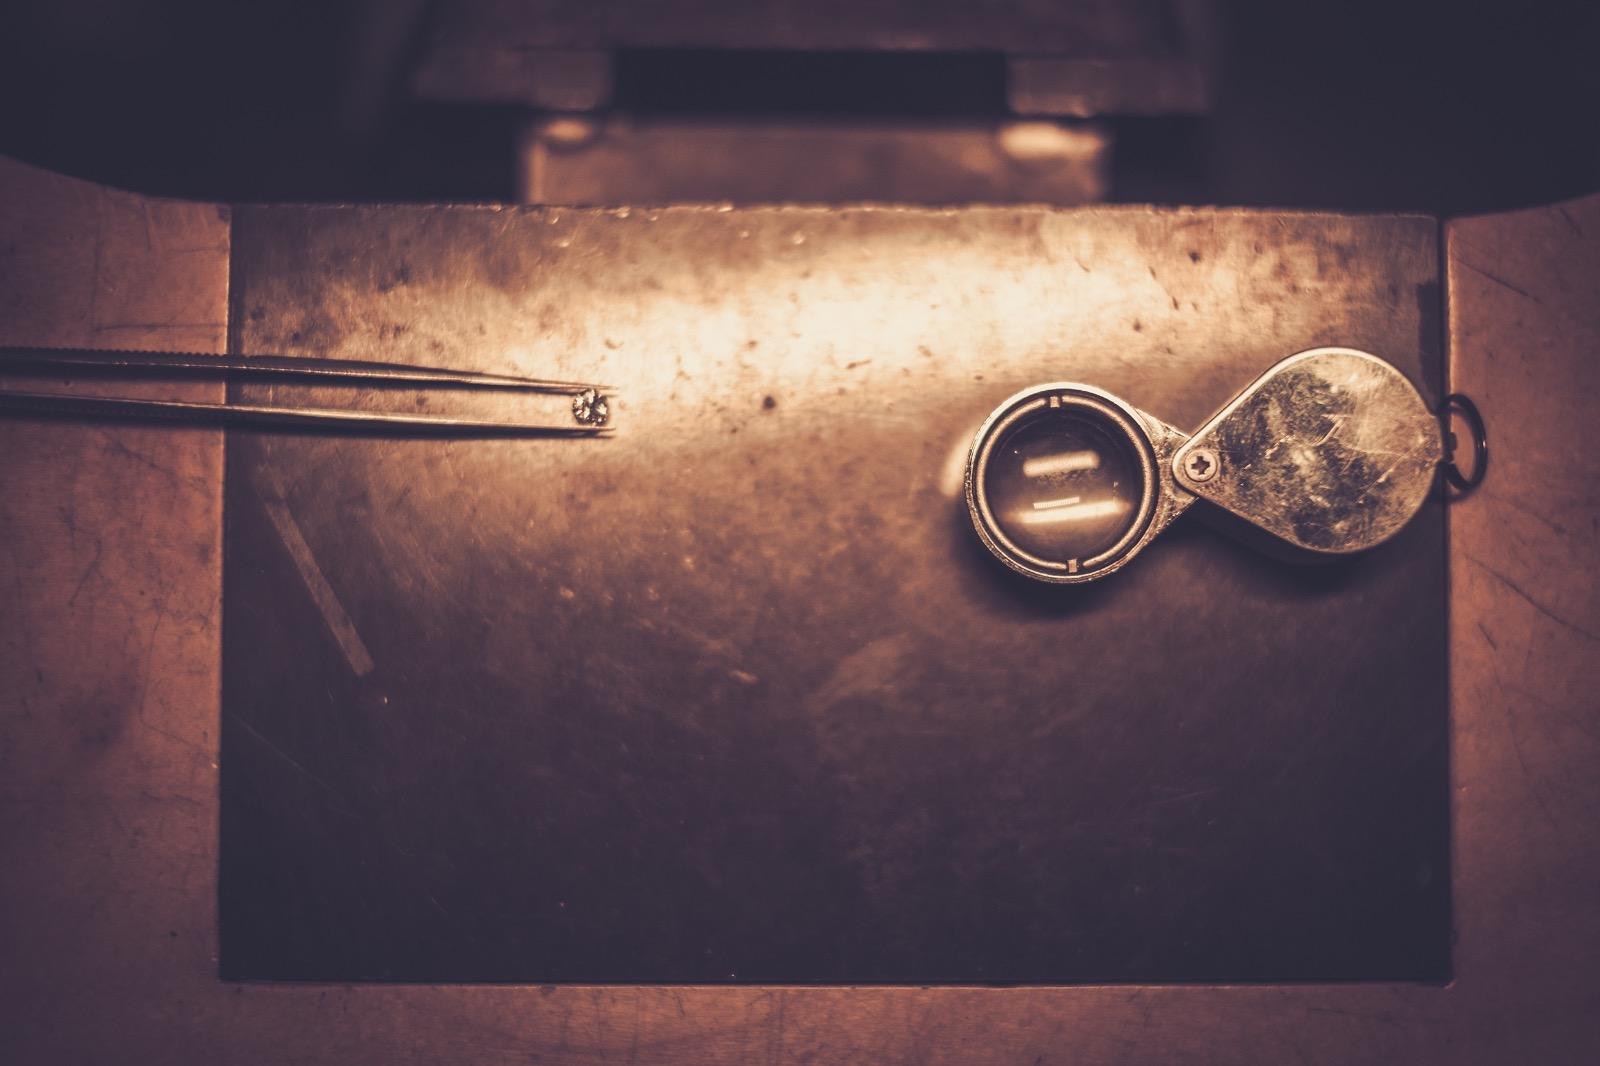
1525	628
623	159
1331	450
110	642
108	706
735	695
1175	499
1199	464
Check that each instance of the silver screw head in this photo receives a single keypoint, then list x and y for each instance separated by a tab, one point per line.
1200	465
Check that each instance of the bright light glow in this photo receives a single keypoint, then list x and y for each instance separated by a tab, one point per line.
1045	505
1065	463
1074	512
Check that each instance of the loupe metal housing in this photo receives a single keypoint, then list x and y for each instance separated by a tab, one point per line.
1331	451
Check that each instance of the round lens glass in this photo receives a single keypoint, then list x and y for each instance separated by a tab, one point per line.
1064	485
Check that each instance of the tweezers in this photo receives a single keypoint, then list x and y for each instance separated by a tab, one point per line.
590	411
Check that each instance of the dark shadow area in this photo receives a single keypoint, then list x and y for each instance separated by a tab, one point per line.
1444	109
758	83
1439	108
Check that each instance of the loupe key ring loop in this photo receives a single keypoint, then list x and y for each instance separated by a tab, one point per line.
1462	404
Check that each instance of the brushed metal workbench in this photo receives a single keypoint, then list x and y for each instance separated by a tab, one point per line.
110	660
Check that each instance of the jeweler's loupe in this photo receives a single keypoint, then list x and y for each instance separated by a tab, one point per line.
1331	450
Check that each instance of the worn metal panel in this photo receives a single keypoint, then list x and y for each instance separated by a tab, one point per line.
110	853
736	695
617	159
110	605
1525	619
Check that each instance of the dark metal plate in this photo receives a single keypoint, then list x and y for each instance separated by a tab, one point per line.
1099	27
736	695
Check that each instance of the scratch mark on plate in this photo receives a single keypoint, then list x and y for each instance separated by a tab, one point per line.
322	594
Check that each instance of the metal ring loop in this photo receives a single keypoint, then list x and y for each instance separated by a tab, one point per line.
1460	403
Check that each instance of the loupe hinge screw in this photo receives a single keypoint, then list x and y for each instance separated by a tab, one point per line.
1200	465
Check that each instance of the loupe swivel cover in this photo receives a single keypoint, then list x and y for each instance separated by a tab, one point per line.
1331	450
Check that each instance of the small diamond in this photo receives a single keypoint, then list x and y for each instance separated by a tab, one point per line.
591	408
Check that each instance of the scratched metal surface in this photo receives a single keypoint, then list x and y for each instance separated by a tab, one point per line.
1332	452
110	599
736	696
1525	621
109	707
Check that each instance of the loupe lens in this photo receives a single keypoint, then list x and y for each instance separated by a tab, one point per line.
1061	487
1062	482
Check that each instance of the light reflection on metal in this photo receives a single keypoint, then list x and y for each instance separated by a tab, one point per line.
1331	450
590	405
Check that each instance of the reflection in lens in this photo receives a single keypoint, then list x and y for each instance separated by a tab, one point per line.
1063	485
1061	463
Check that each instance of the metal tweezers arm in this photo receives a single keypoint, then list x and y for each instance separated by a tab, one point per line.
590	413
